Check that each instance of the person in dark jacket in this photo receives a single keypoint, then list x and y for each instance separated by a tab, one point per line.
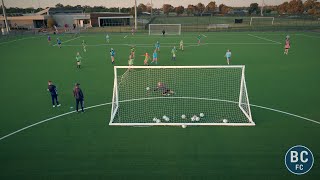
78	95
54	94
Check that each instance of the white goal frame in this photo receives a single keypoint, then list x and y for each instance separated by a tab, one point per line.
179	32
115	100
261	18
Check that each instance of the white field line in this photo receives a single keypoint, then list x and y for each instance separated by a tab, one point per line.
175	44
17	40
266	39
203	35
68	40
104	104
125	36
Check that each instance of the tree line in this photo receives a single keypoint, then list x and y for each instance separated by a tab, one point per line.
311	7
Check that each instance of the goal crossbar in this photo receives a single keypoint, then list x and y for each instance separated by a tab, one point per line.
261	18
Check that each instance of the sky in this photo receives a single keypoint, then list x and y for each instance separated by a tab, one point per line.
130	3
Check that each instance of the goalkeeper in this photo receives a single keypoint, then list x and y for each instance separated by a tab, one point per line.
163	89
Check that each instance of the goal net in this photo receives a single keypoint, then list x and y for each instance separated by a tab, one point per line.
180	95
170	29
262	21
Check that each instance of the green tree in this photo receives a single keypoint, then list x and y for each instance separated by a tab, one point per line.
59	5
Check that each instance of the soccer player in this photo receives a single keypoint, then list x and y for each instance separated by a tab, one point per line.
157	46
107	38
112	53
78	95
287	46
59	42
49	39
132	31
84	45
181	45
133	51
163	89
155	57
199	39
228	56
173	52
78	58
54	94
163	32
146	59
130	61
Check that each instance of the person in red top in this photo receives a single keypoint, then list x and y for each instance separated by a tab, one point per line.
78	95
287	46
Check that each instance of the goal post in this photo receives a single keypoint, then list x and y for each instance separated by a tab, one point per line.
261	21
180	95
170	29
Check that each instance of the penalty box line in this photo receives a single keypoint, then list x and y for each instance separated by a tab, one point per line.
266	39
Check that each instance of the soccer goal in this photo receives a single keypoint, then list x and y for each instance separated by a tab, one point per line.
180	96
261	21
170	29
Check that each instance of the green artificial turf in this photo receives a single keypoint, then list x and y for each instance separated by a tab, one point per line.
83	146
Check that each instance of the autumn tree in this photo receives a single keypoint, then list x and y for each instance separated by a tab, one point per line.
211	7
295	7
311	6
254	7
179	10
200	8
223	9
167	8
191	9
283	8
141	8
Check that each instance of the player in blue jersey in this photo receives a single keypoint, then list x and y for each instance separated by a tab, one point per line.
49	39
59	42
157	46
112	54
199	39
155	57
228	56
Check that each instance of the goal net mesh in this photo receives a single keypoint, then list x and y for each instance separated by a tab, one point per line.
170	29
216	95
261	21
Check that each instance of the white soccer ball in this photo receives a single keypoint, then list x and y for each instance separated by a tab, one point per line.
201	115
154	119
158	121
184	126
224	120
197	118
147	88
167	119
164	117
193	118
183	116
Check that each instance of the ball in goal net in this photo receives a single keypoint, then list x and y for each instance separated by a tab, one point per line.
180	95
170	29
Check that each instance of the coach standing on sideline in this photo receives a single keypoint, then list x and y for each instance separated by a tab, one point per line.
54	94
78	94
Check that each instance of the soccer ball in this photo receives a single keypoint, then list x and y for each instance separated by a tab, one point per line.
224	121
164	117
147	88
167	119
158	121
197	118
183	116
193	118
184	126
201	115
155	119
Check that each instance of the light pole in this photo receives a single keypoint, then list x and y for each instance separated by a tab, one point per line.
262	6
5	16
135	14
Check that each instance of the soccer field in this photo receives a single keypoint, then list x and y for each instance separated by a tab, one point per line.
38	141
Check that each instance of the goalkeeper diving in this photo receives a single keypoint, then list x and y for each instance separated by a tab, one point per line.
162	88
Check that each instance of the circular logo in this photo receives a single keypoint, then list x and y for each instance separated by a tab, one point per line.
299	159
